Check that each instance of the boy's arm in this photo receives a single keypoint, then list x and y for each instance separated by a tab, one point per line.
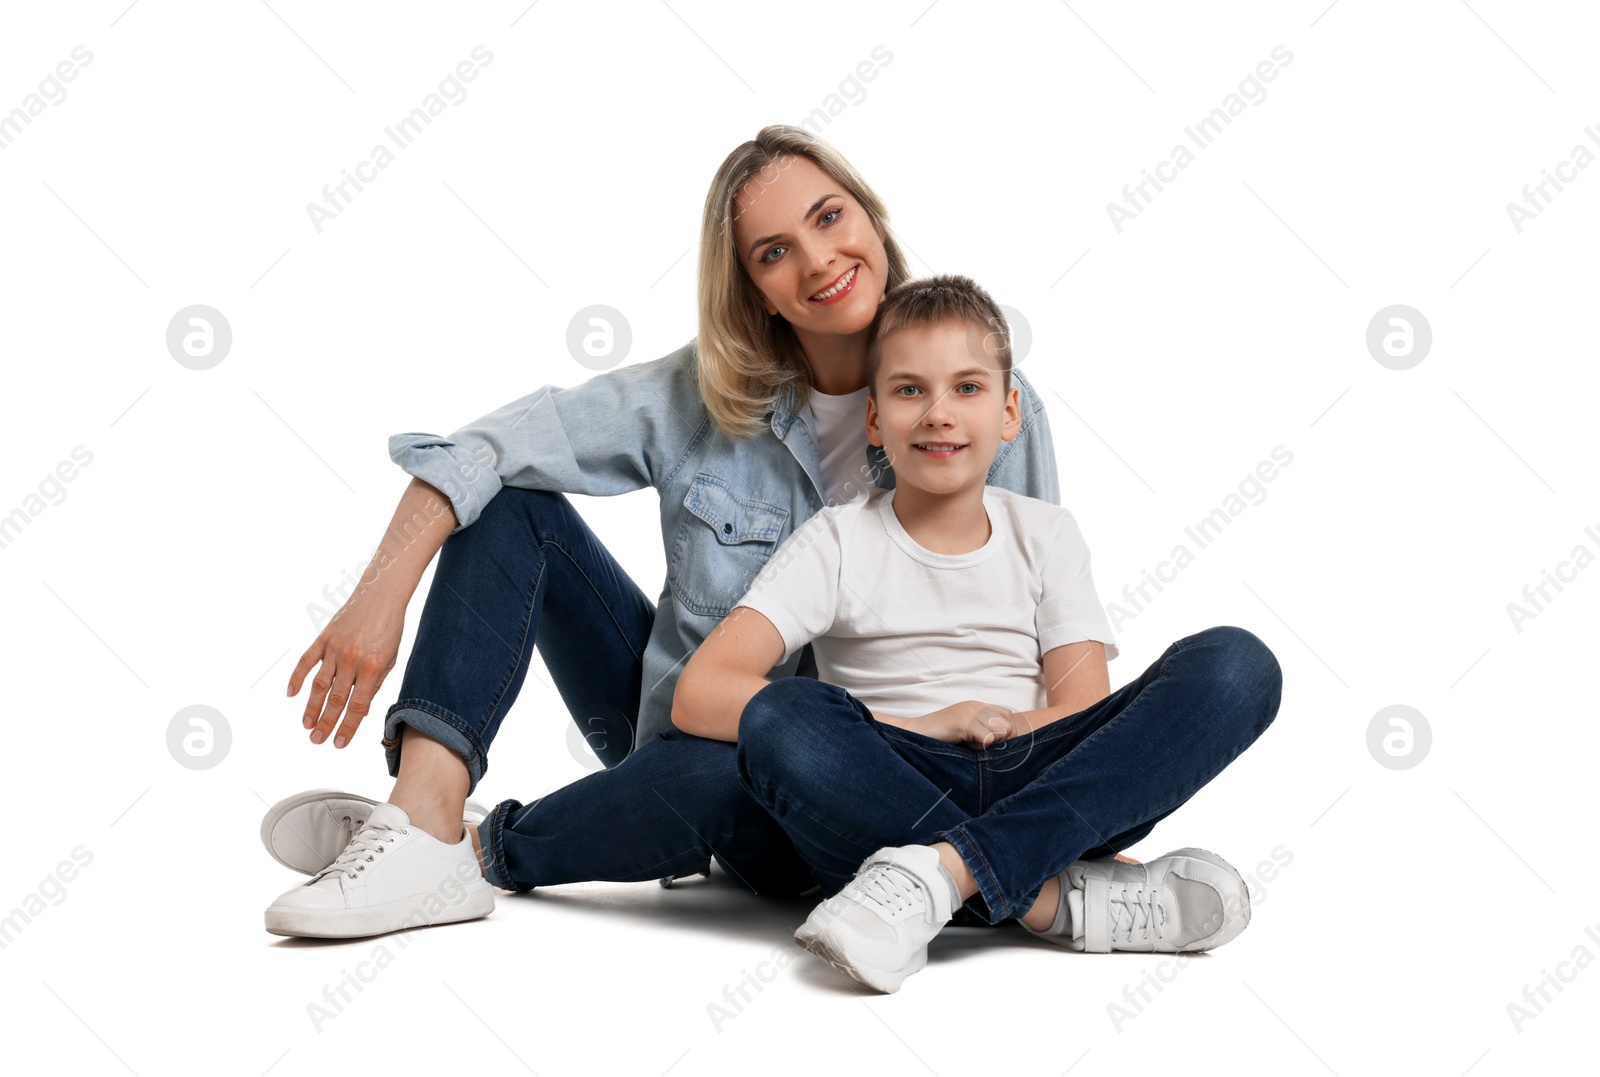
724	673
1075	678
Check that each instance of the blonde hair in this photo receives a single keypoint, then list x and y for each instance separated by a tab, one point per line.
745	356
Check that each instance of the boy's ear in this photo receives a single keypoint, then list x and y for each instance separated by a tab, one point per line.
874	434
1013	420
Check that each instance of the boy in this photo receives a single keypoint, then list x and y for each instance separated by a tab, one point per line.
973	610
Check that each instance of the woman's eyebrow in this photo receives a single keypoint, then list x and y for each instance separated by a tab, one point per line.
812	212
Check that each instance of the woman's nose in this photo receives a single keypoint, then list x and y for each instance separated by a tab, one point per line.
817	259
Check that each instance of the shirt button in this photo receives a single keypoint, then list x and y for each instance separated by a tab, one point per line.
727	529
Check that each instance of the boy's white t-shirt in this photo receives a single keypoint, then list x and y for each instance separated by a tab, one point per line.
839	424
908	631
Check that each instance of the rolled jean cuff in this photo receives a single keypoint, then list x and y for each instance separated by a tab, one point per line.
995	905
440	726
490	840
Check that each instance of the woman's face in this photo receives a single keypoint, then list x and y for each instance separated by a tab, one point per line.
810	249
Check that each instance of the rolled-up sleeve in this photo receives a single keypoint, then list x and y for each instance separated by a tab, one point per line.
614	433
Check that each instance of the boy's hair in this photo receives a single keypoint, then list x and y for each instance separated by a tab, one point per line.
930	301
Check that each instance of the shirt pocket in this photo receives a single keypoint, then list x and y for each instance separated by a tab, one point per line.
723	542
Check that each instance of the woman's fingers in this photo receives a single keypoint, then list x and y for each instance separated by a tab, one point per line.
321	682
337	694
312	656
366	686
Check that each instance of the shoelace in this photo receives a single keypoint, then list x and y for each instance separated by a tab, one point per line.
370	840
351	827
887	886
1137	913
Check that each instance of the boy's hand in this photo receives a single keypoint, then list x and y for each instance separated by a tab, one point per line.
970	722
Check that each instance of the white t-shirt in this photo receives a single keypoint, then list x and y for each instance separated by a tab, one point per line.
908	631
839	424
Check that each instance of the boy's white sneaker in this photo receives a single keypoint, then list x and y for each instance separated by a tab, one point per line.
877	928
305	832
1187	900
391	875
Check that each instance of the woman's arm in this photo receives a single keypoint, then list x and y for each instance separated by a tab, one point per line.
360	645
621	430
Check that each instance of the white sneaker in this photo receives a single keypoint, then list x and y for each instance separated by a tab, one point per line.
1187	900
877	928
391	876
306	831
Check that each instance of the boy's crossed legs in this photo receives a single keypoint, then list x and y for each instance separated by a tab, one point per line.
877	811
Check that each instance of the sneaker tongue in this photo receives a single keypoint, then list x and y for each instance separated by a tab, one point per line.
389	816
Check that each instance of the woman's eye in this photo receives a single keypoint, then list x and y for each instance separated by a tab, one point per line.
768	256
832	213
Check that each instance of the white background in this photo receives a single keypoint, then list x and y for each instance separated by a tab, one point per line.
1229	318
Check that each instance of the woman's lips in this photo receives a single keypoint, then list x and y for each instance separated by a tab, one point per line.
852	273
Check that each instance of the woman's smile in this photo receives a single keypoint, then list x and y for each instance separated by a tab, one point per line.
840	287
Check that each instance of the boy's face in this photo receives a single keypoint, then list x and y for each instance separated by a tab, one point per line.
941	384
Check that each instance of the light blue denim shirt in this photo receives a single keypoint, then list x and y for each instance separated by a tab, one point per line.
726	504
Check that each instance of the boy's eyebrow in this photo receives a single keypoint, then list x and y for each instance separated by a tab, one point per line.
808	215
910	375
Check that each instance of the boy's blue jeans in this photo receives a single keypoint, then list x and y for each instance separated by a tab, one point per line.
529	572
844	785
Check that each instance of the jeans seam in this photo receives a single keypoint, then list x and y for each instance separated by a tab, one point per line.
522	642
444	716
497	850
893	733
598	591
987	873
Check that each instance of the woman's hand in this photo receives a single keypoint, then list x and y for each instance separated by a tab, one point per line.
356	649
971	722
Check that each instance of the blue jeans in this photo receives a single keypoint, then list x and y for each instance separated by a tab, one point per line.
1087	786
529	572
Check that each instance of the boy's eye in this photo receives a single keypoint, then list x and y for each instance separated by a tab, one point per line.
975	387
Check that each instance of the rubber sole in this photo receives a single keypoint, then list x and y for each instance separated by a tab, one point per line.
820	943
1227	932
378	919
276	813
302	854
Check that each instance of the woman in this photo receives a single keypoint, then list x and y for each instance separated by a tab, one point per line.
745	433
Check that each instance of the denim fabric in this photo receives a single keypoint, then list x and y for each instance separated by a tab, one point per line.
531	569
844	785
667	809
726	504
